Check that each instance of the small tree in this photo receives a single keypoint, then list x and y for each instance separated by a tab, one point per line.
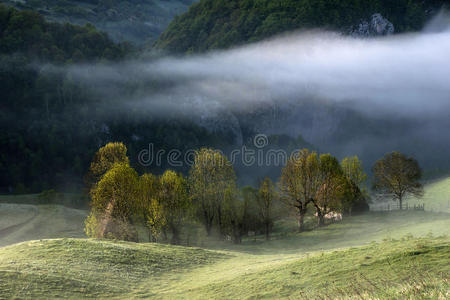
331	183
149	206
299	183
210	177
252	220
265	202
174	201
354	196
114	203
398	175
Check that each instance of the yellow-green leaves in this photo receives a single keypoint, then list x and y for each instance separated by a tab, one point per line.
105	158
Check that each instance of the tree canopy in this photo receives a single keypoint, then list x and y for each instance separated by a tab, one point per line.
398	175
218	24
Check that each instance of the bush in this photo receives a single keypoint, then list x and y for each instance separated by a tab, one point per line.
47	196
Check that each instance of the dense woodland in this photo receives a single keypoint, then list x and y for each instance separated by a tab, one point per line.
50	124
226	23
136	21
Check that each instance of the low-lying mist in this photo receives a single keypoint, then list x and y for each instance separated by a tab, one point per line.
343	94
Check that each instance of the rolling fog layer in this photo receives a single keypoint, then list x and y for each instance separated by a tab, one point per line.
347	95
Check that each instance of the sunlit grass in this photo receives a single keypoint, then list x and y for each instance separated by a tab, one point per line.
386	255
89	268
404	268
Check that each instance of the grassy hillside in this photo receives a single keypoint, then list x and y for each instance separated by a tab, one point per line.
89	268
385	260
24	222
213	24
378	271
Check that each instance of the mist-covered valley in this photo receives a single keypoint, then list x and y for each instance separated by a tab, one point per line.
242	149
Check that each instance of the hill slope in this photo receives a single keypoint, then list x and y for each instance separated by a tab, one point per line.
215	24
24	222
89	268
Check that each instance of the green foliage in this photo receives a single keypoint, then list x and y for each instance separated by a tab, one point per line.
174	202
149	206
27	32
136	21
265	201
104	160
328	197
34	103
354	194
92	226
299	182
309	178
210	179
114	201
212	24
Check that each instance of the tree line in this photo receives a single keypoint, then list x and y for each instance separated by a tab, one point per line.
209	194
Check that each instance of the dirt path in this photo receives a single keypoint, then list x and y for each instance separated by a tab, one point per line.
8	230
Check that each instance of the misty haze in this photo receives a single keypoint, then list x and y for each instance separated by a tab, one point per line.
224	149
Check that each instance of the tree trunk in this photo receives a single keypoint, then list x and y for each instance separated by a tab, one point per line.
300	218
320	220
267	231
208	227
220	223
175	235
400	201
320	217
164	231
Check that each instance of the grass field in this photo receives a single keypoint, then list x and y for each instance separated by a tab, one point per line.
73	268
378	255
339	260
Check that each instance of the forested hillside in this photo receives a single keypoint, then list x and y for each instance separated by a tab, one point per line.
50	124
137	21
216	24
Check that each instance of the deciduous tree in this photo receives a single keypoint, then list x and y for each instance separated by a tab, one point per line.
300	180
265	204
114	201
210	177
355	196
104	159
329	194
174	202
150	209
398	175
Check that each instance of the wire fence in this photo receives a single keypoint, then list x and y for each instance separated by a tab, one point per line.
396	206
383	202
